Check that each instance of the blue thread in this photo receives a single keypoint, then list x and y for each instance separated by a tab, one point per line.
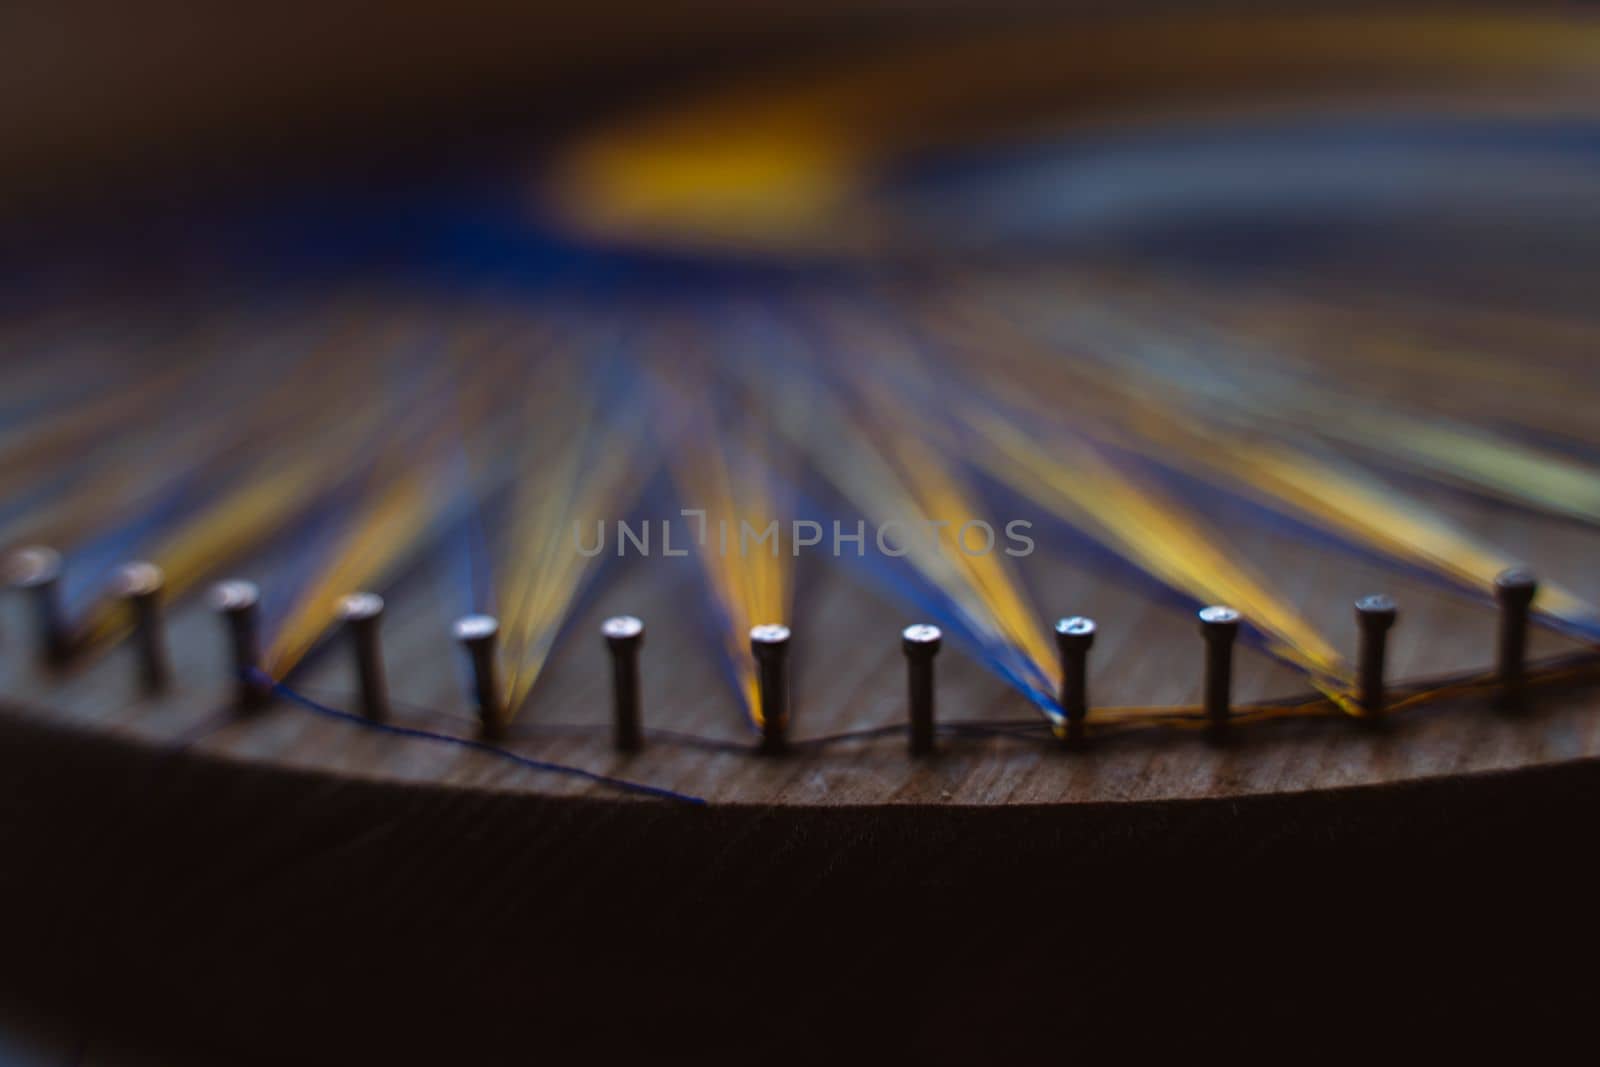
620	784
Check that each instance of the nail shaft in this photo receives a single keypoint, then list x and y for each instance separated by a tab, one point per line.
37	571
770	646
1515	590
1220	628
624	636
1074	638
478	634
363	618
239	603
140	584
1375	615
921	644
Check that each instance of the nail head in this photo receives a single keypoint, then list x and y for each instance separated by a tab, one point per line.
770	634
476	627
622	628
138	578
33	566
235	595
